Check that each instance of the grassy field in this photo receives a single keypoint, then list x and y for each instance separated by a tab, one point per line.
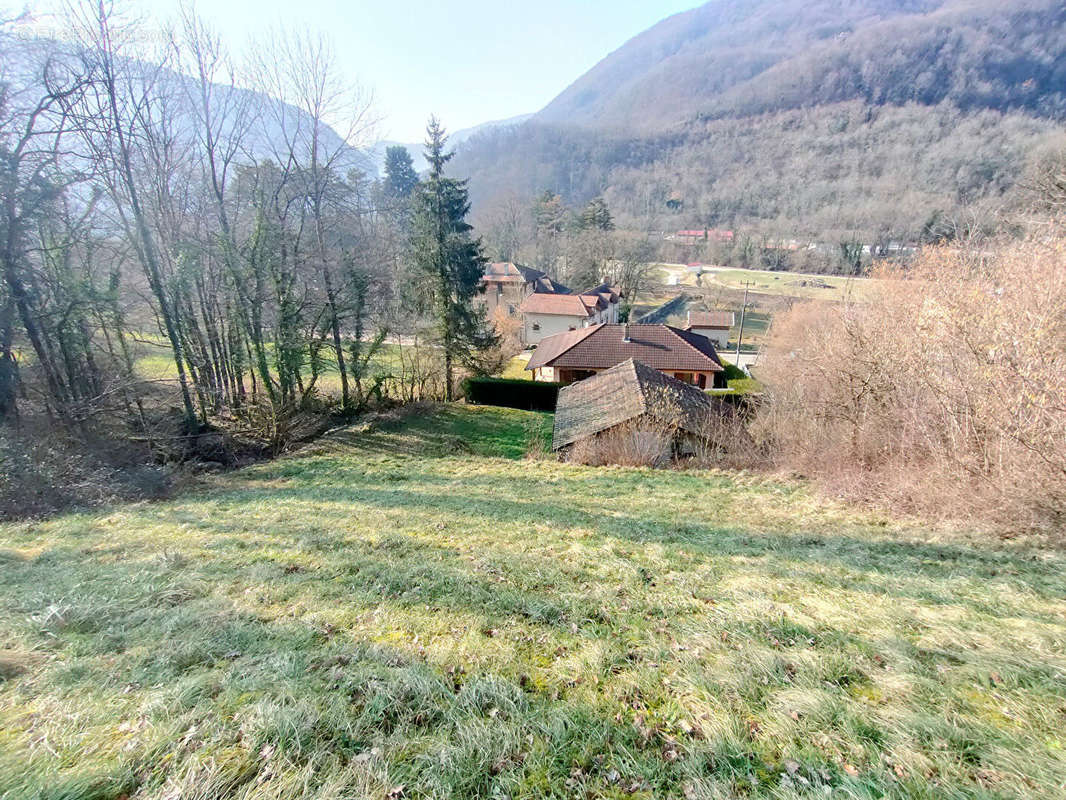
413	610
790	284
770	282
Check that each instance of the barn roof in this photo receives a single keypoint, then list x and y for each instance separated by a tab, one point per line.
602	346
625	392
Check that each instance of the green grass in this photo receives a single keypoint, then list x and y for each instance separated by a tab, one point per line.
415	611
792	284
516	368
154	361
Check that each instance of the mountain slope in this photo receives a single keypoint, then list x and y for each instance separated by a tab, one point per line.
268	126
825	118
377	151
727	58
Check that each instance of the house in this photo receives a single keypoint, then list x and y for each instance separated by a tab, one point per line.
505	285
545	315
634	394
715	325
578	354
610	295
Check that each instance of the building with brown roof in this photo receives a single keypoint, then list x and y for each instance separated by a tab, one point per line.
545	315
505	285
636	395
715	325
578	354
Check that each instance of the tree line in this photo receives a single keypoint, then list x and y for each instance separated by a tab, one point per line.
151	202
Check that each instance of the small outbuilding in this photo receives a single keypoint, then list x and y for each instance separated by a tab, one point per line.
634	394
715	325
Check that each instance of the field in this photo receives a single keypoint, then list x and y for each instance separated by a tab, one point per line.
769	282
411	609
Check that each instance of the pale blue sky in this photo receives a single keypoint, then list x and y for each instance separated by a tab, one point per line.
468	61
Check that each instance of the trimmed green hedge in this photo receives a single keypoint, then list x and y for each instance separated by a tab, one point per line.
733	372
512	393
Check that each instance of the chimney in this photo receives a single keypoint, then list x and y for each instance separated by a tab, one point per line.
625	334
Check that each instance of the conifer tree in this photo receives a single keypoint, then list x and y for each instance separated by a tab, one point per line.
400	176
449	259
596	216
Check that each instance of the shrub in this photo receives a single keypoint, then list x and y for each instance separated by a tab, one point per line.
512	393
732	372
943	393
42	472
638	444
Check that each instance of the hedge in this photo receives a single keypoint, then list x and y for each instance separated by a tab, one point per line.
733	372
512	393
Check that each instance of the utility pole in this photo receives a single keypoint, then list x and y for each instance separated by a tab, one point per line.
743	313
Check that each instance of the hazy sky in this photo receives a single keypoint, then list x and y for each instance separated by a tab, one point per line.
468	61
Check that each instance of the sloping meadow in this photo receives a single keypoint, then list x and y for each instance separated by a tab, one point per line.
415	610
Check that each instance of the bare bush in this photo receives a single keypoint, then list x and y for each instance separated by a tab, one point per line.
43	471
945	393
724	441
641	443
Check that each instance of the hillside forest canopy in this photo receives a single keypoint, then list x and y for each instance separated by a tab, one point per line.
810	123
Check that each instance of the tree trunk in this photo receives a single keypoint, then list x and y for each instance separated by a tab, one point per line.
8	365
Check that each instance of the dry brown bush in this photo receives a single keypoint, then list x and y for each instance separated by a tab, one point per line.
944	394
642	443
725	442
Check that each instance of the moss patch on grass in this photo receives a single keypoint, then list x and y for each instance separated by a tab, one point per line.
414	610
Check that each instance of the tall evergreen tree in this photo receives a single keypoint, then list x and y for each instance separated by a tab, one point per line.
449	259
400	176
596	216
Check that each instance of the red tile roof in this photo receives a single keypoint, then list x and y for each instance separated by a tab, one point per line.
710	319
603	346
566	305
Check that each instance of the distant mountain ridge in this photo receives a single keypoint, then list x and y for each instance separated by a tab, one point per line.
816	117
271	122
729	58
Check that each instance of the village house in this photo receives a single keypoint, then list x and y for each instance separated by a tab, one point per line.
505	285
578	354
639	400
545	315
715	325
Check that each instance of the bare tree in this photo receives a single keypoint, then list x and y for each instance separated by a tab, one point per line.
115	119
299	71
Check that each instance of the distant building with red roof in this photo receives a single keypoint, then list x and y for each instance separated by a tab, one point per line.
702	235
506	284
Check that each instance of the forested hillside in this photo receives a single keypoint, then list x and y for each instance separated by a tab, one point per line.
800	119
